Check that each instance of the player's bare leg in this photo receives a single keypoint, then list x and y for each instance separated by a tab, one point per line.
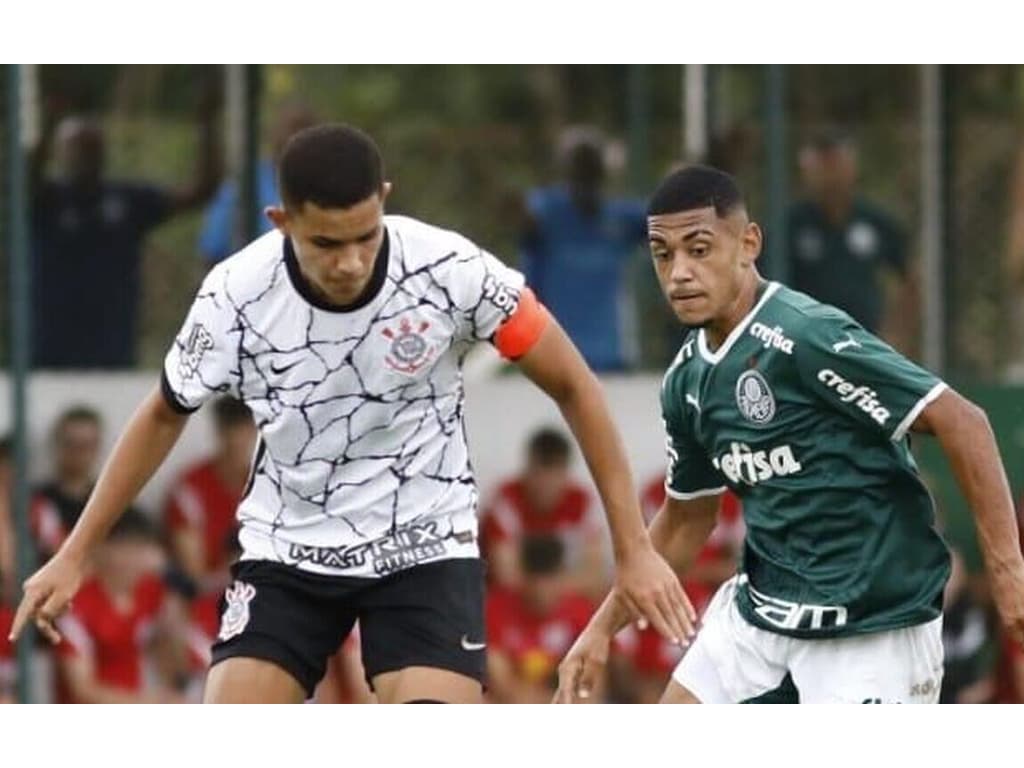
677	694
427	683
241	680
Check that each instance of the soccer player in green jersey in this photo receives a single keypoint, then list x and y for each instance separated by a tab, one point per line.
806	416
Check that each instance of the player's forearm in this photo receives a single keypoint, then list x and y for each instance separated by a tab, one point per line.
586	412
142	447
970	446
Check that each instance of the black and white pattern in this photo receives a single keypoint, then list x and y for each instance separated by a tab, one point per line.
362	467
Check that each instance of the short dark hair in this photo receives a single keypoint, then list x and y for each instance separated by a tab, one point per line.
541	555
77	413
331	166
548	447
229	412
133	525
696	186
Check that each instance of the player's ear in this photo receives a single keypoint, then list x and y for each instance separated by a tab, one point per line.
385	190
278	217
752	240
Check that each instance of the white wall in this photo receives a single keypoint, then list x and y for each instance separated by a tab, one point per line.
501	413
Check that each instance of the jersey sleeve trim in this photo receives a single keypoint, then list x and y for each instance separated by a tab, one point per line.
171	397
908	420
678	496
517	335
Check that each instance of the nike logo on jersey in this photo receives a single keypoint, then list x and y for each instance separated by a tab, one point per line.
469	646
284	368
839	346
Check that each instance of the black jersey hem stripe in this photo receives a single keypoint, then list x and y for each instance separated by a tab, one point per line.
171	397
373	288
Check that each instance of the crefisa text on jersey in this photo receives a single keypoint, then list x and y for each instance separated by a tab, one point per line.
773	338
863	397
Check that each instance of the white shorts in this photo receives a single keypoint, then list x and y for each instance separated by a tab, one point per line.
733	661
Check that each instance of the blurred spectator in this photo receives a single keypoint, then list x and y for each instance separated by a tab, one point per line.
529	630
110	629
967	676
841	245
8	566
216	241
87	234
577	247
543	499
8	664
58	503
200	514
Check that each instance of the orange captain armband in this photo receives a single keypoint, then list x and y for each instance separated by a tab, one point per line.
517	335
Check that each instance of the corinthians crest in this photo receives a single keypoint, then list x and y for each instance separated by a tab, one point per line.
754	398
409	347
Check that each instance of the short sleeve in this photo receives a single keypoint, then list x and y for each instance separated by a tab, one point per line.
690	473
202	361
862	377
489	293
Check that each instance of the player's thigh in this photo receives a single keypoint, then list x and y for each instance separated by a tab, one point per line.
895	666
287	620
423	633
241	680
731	660
427	684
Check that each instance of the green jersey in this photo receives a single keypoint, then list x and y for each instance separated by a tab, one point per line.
804	415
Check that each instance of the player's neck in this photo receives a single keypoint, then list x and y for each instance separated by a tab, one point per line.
718	330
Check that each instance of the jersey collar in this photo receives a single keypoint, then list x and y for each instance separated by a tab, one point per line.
373	288
723	350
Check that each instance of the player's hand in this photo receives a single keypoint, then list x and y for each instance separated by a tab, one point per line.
582	669
1008	594
47	594
649	588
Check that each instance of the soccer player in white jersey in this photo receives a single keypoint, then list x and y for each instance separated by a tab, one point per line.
344	330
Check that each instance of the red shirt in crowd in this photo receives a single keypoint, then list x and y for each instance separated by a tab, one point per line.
535	644
112	638
7	663
509	516
52	515
201	500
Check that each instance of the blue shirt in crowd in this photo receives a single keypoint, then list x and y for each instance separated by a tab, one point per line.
216	240
578	265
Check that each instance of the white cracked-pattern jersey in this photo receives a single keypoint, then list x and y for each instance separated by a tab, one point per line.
362	467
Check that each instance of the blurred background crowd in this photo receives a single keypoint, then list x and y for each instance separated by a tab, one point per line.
893	192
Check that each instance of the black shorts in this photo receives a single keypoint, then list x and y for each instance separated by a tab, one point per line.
429	615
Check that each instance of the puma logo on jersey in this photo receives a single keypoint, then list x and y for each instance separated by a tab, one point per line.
863	397
839	346
773	338
742	465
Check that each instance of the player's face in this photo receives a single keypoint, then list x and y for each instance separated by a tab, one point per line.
702	260
336	247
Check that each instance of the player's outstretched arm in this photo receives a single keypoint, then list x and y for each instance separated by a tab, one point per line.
151	433
643	580
966	437
678	532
